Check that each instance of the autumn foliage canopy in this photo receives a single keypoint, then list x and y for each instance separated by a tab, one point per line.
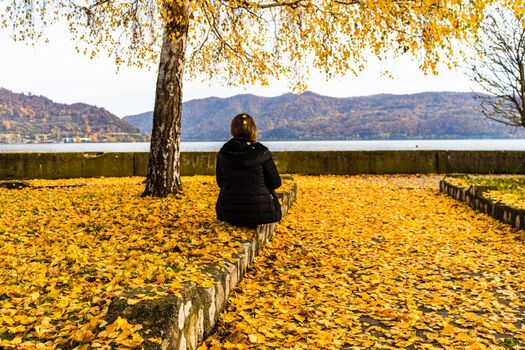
250	41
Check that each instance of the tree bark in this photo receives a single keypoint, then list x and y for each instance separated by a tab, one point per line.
164	159
521	95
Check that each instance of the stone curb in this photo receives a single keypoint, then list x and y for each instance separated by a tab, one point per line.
182	322
473	197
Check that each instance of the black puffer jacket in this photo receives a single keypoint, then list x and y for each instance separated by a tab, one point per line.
248	177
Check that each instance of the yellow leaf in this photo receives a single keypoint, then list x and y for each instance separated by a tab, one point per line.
157	340
463	337
368	343
299	318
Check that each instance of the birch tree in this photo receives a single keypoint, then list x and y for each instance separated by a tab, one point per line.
246	42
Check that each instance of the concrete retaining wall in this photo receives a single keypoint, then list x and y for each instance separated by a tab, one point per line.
481	162
71	165
473	197
182	322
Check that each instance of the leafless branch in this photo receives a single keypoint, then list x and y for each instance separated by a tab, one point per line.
499	70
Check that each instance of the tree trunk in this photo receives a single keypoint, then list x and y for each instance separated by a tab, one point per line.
521	94
164	159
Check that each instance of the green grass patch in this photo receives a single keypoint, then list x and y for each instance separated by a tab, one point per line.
509	189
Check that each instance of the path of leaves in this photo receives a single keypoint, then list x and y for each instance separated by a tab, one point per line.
380	262
66	252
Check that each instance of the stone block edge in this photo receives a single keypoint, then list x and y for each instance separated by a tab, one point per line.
473	197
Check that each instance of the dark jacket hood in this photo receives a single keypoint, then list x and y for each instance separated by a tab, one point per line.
243	152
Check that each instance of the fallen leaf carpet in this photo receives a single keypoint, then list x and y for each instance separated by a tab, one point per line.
380	262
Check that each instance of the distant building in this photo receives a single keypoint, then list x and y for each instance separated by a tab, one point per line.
76	139
10	138
41	138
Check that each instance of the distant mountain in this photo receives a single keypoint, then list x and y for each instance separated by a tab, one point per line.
309	116
143	121
36	116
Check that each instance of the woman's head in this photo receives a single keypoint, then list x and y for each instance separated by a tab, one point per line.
244	126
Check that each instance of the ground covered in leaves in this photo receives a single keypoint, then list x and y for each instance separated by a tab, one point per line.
509	189
371	262
69	247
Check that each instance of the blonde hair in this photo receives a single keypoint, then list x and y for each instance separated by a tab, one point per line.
243	125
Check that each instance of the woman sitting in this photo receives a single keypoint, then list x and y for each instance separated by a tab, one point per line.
247	177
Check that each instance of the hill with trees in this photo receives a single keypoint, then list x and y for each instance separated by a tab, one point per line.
309	116
31	115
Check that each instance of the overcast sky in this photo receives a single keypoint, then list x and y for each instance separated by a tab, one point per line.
56	71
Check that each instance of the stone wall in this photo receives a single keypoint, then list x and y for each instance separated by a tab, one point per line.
481	162
473	197
72	165
182	322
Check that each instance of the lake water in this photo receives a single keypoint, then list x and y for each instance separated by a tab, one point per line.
462	145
